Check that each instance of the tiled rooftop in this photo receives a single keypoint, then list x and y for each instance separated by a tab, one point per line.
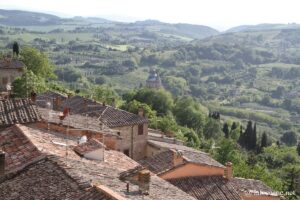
57	151
252	186
207	187
159	163
88	146
113	117
17	111
52	181
19	149
75	121
163	161
48	97
11	63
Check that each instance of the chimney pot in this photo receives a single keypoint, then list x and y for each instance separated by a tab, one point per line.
2	163
177	157
144	178
33	96
228	171
141	112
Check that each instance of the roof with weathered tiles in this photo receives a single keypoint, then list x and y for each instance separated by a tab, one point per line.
47	178
11	64
57	150
207	187
17	111
112	117
252	186
75	121
89	146
19	149
48	97
163	161
159	163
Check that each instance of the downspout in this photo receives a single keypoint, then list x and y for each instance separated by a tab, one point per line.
132	142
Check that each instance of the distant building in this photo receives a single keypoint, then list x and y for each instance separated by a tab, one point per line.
153	80
10	69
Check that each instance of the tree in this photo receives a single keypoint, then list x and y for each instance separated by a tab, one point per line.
264	140
27	83
134	107
291	177
37	62
212	129
226	130
105	94
253	138
16	49
298	149
233	126
190	113
159	100
289	138
227	152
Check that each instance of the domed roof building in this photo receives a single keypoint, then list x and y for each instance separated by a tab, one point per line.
153	80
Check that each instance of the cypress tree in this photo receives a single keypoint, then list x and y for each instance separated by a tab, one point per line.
253	138
226	130
241	139
248	135
16	49
233	126
264	140
298	148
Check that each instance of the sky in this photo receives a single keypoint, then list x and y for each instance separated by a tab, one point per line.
219	14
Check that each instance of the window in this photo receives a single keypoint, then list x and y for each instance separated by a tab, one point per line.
119	133
126	152
141	129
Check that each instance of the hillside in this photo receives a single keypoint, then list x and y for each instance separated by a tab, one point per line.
244	75
262	27
24	18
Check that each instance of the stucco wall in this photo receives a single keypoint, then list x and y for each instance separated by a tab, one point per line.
95	155
191	170
246	196
10	74
132	141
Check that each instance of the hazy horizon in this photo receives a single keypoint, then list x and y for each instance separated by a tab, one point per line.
215	13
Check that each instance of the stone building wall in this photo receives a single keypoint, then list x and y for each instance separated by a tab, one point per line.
8	75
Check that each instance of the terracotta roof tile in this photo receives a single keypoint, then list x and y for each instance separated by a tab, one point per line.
207	187
88	146
75	121
17	111
48	178
19	149
83	173
163	161
113	117
252	186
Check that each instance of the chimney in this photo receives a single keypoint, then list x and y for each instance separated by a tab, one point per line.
228	171
177	157
144	178
103	103
33	96
2	163
57	102
141	112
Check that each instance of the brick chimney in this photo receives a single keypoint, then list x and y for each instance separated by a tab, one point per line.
57	102
33	96
144	178
2	163
177	157
141	112
228	171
